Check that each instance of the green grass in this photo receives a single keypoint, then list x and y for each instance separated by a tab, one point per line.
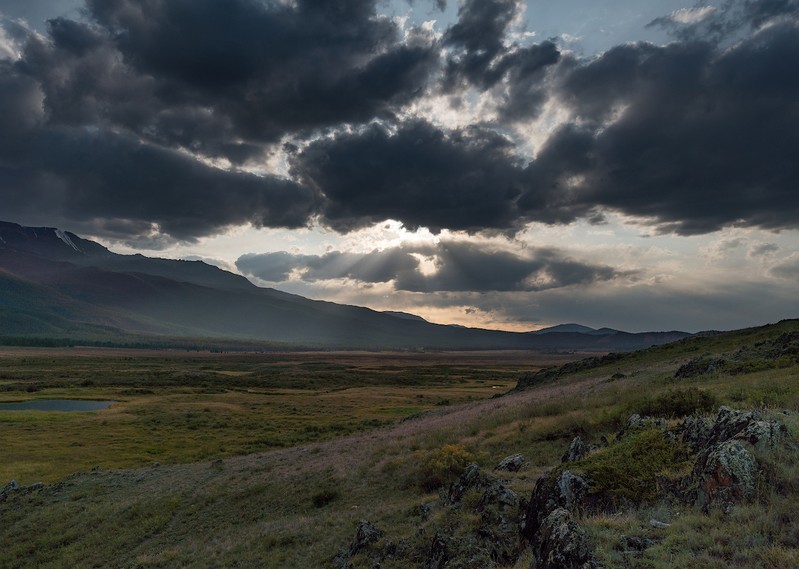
298	506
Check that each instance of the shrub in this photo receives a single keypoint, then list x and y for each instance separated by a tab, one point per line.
324	497
679	403
629	471
443	465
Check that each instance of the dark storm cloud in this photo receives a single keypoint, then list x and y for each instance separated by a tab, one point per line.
459	267
103	179
269	67
479	56
694	138
421	175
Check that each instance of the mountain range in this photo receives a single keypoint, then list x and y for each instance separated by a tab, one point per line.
56	284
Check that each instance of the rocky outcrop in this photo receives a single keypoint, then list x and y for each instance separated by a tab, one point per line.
726	476
699	366
562	544
366	534
564	490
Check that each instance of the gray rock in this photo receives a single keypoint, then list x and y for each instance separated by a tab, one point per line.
365	534
577	451
472	478
658	524
726	476
562	544
10	487
567	491
512	463
693	432
764	435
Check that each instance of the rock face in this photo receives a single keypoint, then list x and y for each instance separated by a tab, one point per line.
562	544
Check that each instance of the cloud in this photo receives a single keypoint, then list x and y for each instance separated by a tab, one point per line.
787	269
418	174
692	138
460	266
223	78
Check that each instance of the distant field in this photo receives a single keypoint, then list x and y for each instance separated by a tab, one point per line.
177	406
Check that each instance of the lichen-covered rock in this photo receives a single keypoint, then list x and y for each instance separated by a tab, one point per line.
745	425
562	544
577	450
726	475
512	463
365	534
693	432
567	491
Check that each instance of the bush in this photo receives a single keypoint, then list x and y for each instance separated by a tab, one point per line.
324	497
629	471
442	466
679	403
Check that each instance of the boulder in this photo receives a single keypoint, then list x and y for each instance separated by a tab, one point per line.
567	491
577	451
725	476
562	544
512	463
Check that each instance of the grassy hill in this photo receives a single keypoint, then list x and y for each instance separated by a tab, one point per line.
299	506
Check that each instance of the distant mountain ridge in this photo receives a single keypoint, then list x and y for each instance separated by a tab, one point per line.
55	283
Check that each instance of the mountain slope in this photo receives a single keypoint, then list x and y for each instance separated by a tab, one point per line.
72	283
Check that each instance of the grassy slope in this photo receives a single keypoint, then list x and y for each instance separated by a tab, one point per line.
260	510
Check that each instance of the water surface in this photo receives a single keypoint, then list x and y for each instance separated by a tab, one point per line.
56	405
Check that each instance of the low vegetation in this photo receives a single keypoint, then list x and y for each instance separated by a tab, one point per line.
369	440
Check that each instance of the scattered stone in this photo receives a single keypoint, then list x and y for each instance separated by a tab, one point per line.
10	487
365	534
658	524
577	451
562	544
512	463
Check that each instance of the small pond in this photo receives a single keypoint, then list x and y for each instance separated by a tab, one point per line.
56	405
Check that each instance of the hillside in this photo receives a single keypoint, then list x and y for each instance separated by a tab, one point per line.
75	288
647	492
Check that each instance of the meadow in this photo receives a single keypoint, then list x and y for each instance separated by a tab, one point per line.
176	406
377	437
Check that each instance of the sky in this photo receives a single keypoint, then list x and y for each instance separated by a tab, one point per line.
491	163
